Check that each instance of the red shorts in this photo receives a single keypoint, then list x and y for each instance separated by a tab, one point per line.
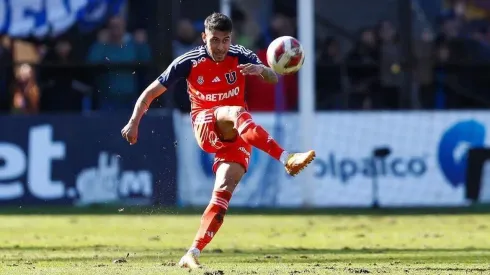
206	133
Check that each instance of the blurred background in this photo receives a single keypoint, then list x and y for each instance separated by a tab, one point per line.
394	99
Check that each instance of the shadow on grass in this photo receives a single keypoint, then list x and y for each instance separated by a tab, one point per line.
286	255
228	252
159	210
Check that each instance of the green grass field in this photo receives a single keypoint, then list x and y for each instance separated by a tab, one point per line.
273	243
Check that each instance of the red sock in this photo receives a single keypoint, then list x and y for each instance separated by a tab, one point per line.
256	136
212	219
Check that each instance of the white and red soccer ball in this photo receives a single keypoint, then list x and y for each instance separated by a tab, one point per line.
285	55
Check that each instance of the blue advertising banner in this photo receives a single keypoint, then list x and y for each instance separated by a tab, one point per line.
80	160
426	164
41	18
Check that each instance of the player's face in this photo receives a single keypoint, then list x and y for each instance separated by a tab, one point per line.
218	43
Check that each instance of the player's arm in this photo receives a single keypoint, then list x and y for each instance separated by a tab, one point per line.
180	68
250	64
154	90
269	75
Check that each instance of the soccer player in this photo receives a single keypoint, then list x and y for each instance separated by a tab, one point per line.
215	74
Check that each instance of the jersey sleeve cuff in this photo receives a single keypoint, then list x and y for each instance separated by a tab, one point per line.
162	81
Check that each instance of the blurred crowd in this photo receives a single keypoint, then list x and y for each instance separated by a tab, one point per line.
369	73
103	76
461	37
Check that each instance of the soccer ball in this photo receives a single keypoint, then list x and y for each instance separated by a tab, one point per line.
285	55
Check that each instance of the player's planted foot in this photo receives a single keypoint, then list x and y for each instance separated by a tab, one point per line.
296	162
190	259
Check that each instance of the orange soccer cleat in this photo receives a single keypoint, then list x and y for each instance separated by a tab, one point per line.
296	162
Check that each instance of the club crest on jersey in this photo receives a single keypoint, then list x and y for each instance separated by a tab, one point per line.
200	80
230	77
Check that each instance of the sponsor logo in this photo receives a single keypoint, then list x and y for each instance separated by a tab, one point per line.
107	182
347	169
35	165
197	62
222	96
453	149
31	173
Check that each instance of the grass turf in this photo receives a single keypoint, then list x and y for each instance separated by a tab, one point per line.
151	242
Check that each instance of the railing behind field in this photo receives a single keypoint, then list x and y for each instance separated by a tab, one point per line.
452	85
468	82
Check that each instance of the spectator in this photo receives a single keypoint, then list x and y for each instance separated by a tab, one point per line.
63	86
478	49
457	10
362	69
456	46
468	10
478	45
330	52
239	21
118	87
450	28
424	73
142	48
25	92
280	25
143	51
261	96
329	74
443	53
6	74
451	36
244	30
185	38
391	77
446	97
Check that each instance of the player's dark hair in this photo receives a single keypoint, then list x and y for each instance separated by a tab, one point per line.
218	22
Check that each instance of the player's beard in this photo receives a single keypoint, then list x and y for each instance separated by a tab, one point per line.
219	56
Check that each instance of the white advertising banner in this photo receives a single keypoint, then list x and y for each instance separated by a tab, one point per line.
426	166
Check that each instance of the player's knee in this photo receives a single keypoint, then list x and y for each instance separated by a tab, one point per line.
235	112
229	113
227	121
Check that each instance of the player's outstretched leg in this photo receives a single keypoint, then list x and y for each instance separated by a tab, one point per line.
227	177
233	120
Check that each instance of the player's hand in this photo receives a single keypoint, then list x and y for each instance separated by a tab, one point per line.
130	132
251	69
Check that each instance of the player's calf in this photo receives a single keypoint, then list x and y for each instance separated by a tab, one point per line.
228	175
212	219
